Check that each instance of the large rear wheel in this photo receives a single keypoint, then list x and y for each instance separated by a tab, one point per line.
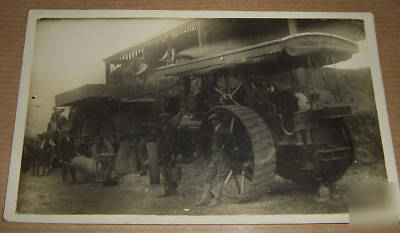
252	151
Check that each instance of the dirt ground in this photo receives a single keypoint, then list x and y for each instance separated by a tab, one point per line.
134	195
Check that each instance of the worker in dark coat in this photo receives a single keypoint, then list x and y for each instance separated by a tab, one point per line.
66	152
220	163
56	121
168	148
45	155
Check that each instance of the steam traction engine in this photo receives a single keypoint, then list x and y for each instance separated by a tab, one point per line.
280	127
283	119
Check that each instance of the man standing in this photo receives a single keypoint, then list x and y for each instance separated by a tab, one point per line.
66	151
220	163
45	155
167	151
56	119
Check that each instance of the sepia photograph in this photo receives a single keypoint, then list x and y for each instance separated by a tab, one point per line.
174	118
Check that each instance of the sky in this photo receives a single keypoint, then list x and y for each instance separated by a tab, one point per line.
69	53
358	60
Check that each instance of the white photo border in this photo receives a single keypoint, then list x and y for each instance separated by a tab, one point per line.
22	107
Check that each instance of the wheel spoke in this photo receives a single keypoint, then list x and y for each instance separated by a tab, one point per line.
242	186
234	101
219	91
227	178
237	184
237	88
232	124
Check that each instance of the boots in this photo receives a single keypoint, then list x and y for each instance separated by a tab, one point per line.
218	194
205	196
333	189
170	189
168	192
323	193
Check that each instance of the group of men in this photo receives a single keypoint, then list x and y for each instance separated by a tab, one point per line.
63	150
41	153
37	155
44	154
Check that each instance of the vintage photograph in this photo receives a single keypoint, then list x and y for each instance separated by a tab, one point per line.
207	116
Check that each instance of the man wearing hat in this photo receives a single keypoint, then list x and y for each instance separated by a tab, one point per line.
66	152
167	151
46	148
220	163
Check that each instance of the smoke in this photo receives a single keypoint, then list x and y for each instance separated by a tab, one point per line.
68	53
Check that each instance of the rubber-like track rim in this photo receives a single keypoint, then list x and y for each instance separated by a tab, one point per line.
263	147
